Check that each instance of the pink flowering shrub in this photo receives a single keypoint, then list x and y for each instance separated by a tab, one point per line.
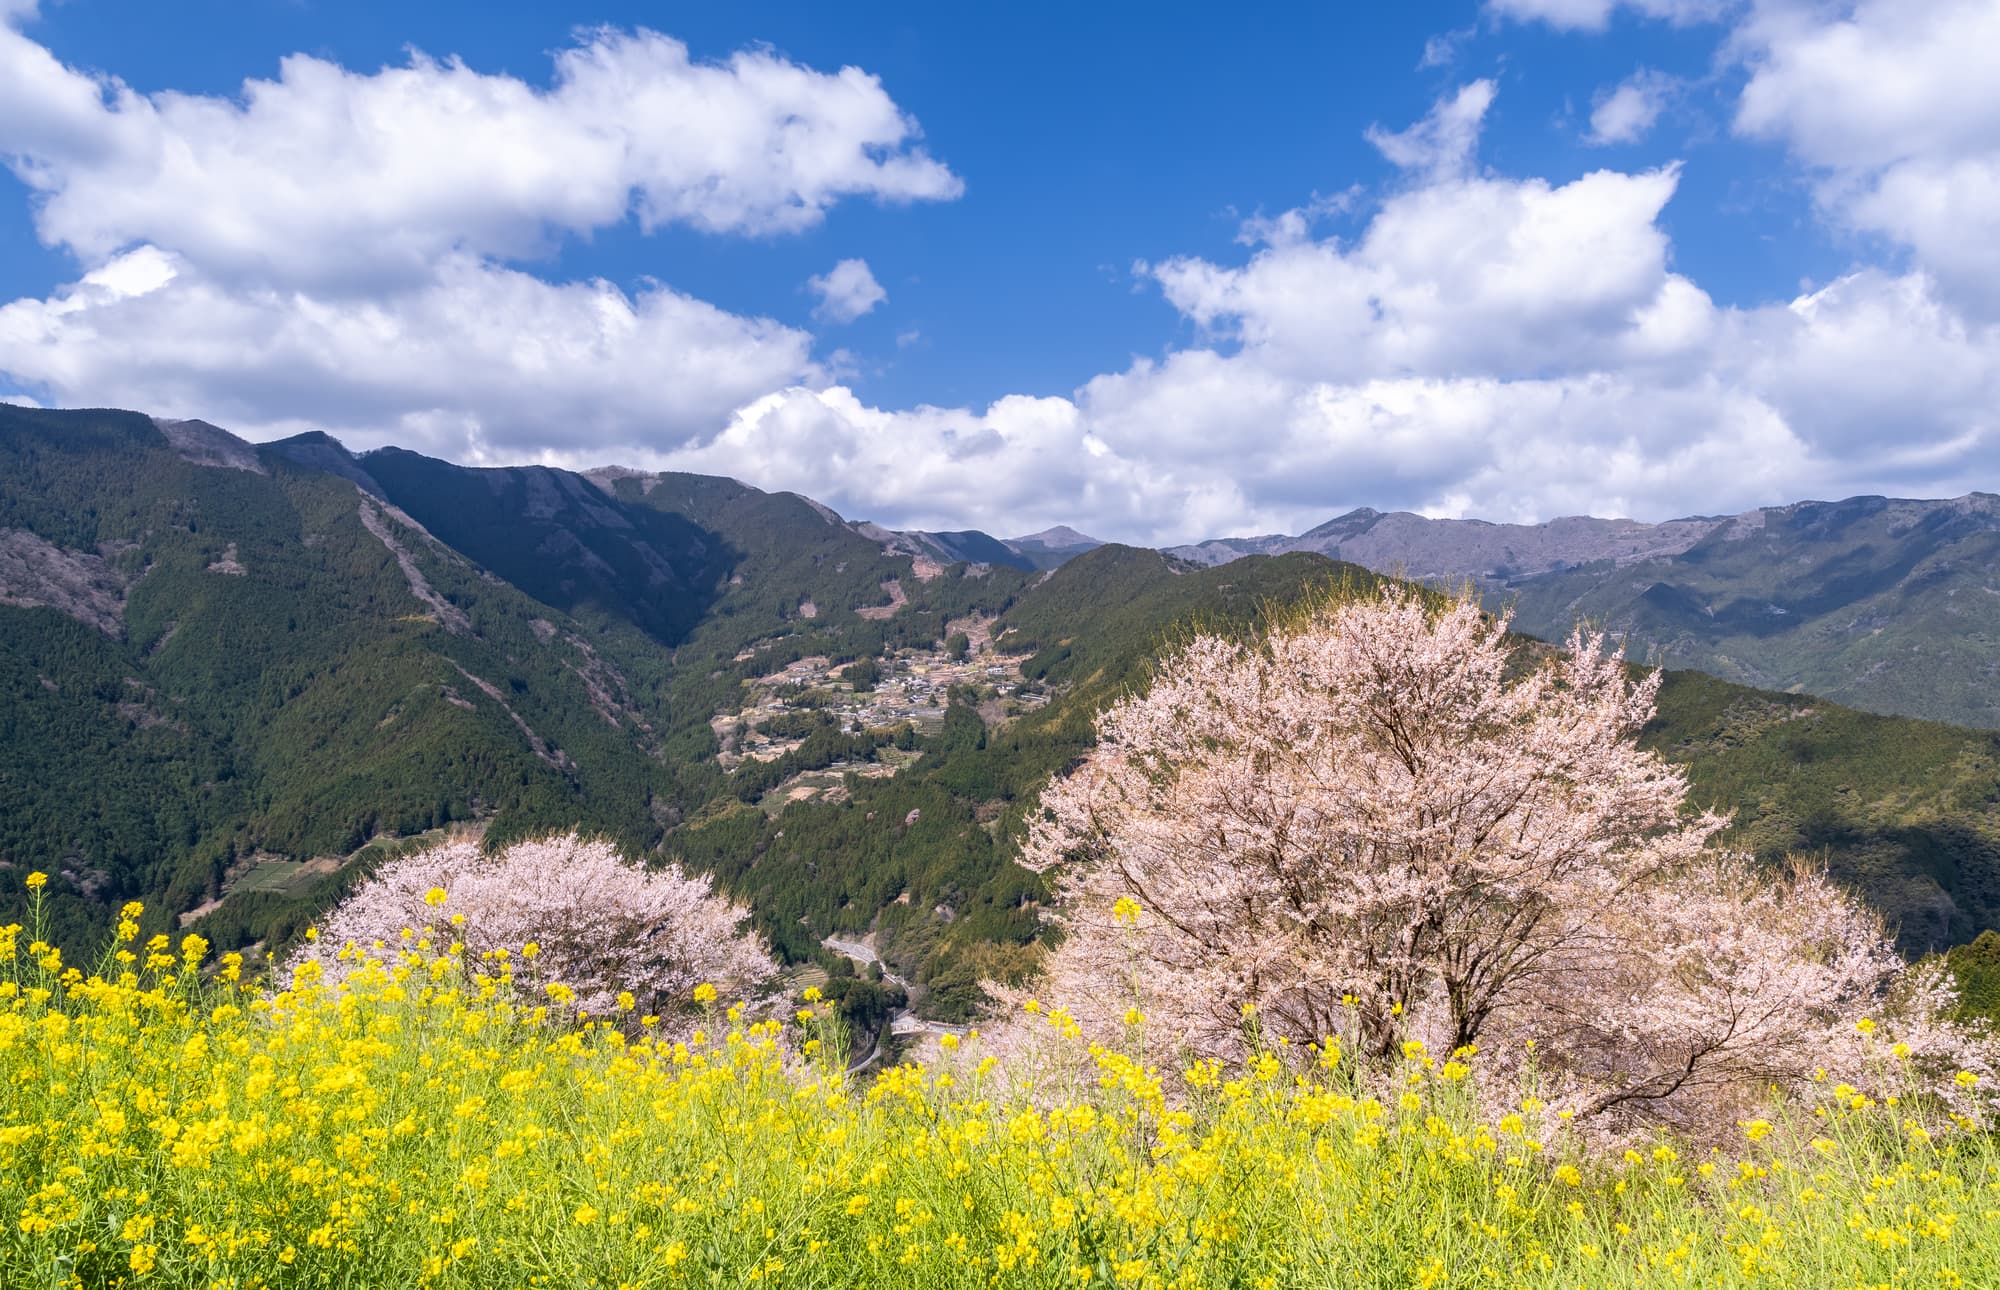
1380	826
558	911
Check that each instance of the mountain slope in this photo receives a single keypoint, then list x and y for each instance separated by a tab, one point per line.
557	536
1905	812
270	662
1495	554
972	546
227	672
1885	604
1892	606
1051	548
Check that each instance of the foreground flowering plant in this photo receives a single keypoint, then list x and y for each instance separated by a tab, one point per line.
164	1122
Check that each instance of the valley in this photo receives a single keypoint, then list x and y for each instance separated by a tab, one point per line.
237	676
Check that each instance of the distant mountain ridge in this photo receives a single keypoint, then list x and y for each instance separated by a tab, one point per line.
1503	553
1035	552
1888	604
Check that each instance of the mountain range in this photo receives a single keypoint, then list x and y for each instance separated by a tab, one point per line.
1036	551
232	675
1888	604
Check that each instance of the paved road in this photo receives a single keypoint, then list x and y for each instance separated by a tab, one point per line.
902	1020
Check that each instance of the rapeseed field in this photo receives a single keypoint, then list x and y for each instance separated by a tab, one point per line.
167	1122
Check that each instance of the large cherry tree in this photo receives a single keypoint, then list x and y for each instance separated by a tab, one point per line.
1386	819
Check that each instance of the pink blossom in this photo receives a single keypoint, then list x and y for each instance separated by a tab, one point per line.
1385	821
598	924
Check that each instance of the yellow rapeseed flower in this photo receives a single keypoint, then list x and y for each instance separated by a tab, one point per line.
37	880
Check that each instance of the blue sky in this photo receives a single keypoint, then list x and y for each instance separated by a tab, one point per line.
1637	273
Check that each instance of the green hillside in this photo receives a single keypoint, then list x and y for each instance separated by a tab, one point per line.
271	683
556	536
1883	605
226	687
1906	812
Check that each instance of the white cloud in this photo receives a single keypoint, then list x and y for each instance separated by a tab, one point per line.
1895	108
330	248
1891	106
1483	344
1458	275
1503	348
1442	50
846	291
1626	112
478	362
1747	409
1443	142
327	177
1296	224
1595	15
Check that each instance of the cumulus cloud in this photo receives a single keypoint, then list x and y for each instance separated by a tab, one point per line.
846	291
1470	275
1442	143
1895	108
478	362
1475	344
1891	106
1488	346
325	176
1626	112
342	250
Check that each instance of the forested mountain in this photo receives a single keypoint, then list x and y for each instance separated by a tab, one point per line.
1907	812
227	667
232	674
1886	604
259	661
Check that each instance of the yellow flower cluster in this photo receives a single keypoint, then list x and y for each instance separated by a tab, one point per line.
166	1123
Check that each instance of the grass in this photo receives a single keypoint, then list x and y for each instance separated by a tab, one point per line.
165	1123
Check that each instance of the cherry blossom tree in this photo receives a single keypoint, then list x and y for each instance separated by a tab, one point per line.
565	911
1384	821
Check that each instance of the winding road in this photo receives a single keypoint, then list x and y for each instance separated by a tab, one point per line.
902	1021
